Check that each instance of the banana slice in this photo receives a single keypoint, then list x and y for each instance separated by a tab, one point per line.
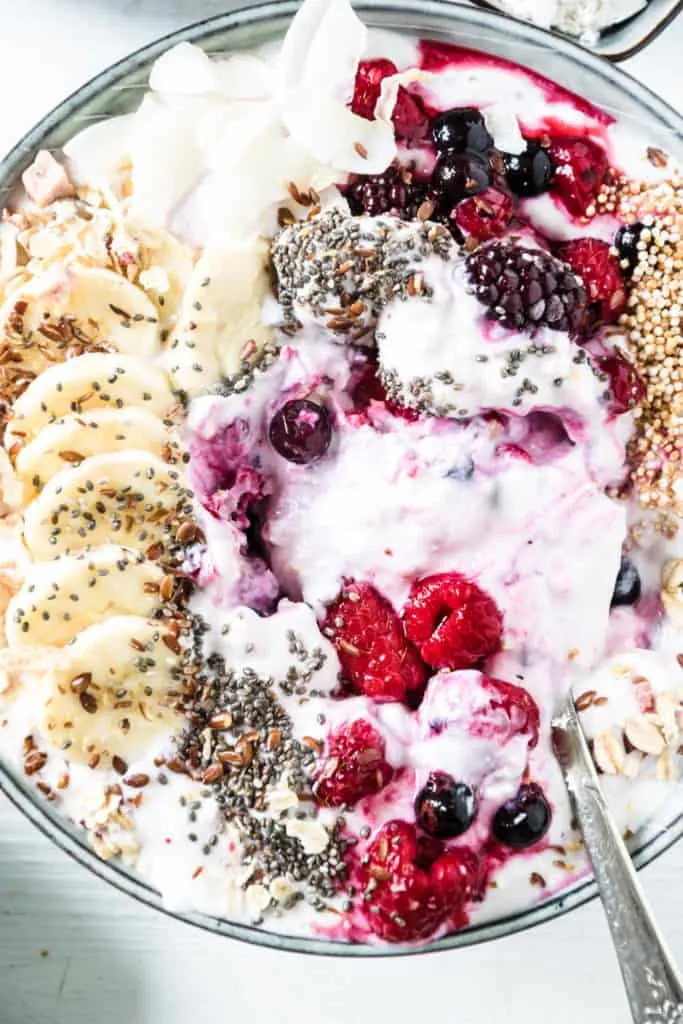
95	380
129	496
60	598
167	265
110	699
75	438
221	312
99	306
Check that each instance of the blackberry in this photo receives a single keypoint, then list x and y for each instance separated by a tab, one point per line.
526	288
386	193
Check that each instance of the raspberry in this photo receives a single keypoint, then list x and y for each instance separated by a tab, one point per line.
404	901
452	622
625	383
409	116
526	288
580	170
368	85
375	655
393	192
601	274
485	216
354	766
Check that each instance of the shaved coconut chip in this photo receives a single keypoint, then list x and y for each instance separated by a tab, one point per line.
167	160
503	127
225	132
184	70
260	180
98	155
317	68
337	137
323	48
245	77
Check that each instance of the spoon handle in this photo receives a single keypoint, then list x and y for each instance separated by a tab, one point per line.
653	984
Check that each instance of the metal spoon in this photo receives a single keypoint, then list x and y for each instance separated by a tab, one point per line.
653	984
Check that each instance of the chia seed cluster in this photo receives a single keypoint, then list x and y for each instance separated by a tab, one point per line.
239	744
344	270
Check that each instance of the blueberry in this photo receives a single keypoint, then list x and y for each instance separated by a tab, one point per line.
627	243
445	808
459	175
459	130
301	431
524	820
627	588
528	173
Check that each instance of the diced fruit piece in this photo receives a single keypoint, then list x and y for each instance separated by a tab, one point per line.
601	274
627	588
485	216
452	621
523	820
445	808
376	656
459	130
353	767
581	167
625	383
403	901
368	85
626	241
528	173
301	431
526	288
457	176
393	192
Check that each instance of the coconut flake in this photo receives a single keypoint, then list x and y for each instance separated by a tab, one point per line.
97	155
323	48
184	70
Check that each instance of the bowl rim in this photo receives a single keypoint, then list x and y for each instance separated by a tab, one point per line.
58	829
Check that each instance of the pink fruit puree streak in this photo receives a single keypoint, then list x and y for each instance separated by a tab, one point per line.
437	56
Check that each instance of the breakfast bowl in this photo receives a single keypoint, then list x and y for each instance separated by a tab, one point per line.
652	812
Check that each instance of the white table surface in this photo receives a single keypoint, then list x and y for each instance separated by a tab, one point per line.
75	951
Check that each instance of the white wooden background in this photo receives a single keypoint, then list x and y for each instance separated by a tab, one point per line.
73	950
